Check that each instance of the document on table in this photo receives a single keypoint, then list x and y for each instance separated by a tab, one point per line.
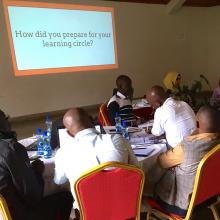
29	143
143	152
144	138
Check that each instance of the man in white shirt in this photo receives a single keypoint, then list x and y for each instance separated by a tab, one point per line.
88	148
172	117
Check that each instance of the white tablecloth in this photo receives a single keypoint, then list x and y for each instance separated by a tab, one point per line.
151	169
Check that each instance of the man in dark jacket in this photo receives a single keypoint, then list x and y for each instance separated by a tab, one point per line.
21	183
121	101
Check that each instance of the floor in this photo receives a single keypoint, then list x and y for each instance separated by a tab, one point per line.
204	214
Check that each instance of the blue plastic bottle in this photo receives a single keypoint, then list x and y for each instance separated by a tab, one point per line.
47	146
48	123
118	127
40	142
125	130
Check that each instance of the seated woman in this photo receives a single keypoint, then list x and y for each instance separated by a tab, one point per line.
172	82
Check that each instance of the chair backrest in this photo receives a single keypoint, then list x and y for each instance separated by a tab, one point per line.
207	181
4	211
103	115
112	194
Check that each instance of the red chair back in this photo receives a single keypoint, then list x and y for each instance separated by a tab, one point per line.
144	112
103	115
113	194
207	181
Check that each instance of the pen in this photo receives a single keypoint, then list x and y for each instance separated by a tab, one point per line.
139	148
141	155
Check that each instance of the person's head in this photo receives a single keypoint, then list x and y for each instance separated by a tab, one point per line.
156	96
76	120
172	80
124	85
4	123
208	120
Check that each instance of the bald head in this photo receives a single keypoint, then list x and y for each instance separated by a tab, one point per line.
124	85
208	120
76	120
156	96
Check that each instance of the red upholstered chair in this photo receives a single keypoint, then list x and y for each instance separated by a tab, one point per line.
206	186
112	194
144	112
4	211
103	115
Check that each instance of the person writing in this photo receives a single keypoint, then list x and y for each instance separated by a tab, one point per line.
174	189
172	117
87	148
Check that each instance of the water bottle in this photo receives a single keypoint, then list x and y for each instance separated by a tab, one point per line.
47	146
125	130
117	123
40	142
48	123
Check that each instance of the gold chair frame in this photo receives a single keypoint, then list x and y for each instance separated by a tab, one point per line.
4	209
158	213
101	167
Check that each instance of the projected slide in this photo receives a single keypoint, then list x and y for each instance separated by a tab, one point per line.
49	38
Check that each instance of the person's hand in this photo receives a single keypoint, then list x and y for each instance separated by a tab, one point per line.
148	129
38	166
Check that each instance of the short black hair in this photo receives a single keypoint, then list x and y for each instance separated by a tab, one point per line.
123	78
212	118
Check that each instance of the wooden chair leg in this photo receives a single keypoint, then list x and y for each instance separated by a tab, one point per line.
148	213
214	212
149	217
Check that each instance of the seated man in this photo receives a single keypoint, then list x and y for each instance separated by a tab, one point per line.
88	148
21	183
121	101
174	189
172	117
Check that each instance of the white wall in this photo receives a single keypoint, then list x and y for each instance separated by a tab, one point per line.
213	29
150	43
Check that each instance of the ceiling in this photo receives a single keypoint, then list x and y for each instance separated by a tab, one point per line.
194	3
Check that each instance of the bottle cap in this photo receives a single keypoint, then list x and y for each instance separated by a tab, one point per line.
38	131
124	123
48	118
45	133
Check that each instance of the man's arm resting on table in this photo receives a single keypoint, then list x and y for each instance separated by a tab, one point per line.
158	125
59	176
172	157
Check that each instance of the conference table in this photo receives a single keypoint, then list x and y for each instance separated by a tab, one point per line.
148	163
